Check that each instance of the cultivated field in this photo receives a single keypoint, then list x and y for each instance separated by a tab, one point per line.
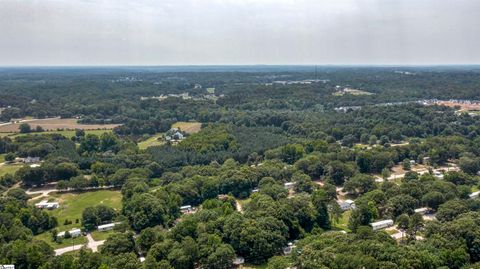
53	124
66	133
188	127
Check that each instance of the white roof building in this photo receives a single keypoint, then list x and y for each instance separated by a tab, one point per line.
381	224
347	204
422	210
73	233
289	185
47	205
474	195
106	227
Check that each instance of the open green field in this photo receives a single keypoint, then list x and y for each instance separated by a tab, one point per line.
9	169
98	236
73	204
150	142
2	158
47	237
66	133
343	221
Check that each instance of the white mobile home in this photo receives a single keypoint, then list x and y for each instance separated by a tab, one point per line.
106	227
422	210
73	233
186	209
474	195
381	224
289	185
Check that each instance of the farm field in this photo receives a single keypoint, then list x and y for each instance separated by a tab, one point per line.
73	204
47	237
188	127
66	133
9	169
54	124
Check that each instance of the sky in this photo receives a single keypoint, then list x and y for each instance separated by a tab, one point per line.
239	32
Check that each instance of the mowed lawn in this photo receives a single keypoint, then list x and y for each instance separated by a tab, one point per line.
47	237
9	169
152	141
73	204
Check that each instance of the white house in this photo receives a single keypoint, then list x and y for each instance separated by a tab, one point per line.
289	185
381	224
31	159
474	195
346	205
73	233
47	205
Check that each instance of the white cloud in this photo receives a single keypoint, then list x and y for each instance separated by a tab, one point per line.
71	32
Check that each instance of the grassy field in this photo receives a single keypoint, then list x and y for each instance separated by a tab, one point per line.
97	236
52	124
73	204
9	169
152	141
2	158
343	221
188	127
47	237
66	133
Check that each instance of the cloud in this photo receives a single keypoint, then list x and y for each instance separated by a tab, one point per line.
152	32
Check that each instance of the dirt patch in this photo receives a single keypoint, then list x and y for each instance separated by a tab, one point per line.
54	124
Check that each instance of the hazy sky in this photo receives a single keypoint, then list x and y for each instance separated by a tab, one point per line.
166	32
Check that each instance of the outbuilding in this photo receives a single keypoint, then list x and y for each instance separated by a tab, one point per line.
106	227
381	224
474	195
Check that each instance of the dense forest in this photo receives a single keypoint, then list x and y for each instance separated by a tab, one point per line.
264	179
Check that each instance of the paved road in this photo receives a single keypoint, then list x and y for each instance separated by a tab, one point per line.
91	244
43	193
61	251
